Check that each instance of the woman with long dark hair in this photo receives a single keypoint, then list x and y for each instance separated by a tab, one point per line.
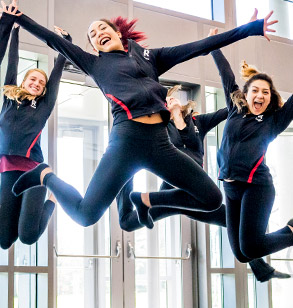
139	138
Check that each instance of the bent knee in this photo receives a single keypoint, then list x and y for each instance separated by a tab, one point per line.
242	259
250	249
7	243
28	239
215	201
124	226
86	221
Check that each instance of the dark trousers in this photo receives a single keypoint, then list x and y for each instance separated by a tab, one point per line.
129	222
248	210
25	216
134	146
128	217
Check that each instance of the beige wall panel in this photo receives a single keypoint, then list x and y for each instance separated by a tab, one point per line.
274	58
76	16
163	30
38	11
278	63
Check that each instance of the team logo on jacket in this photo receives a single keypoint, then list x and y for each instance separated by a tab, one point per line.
34	104
259	118
146	54
196	129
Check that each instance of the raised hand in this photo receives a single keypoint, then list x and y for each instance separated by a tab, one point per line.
266	24
11	9
60	31
213	31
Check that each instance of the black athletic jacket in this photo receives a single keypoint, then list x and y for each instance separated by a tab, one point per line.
129	80
21	124
246	136
190	139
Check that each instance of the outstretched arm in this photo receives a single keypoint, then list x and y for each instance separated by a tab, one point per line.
13	59
76	55
166	58
54	80
6	23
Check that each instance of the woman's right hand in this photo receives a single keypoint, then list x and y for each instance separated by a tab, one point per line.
60	31
11	9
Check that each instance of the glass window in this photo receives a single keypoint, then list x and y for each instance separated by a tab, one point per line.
278	159
26	294
158	282
213	10
32	255
223	291
283	11
220	251
4	290
3	257
82	140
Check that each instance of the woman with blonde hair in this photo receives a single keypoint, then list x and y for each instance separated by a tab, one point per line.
24	114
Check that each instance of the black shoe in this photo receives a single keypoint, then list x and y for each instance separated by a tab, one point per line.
290	222
275	274
280	275
29	179
142	210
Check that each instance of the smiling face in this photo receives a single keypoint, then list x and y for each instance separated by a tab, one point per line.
34	83
103	37
258	96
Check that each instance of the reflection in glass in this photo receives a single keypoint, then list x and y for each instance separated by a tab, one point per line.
3	257
4	290
223	290
251	291
30	290
215	247
216	291
82	140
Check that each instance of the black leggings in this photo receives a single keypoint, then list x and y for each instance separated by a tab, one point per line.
25	216
133	146
128	217
248	210
129	222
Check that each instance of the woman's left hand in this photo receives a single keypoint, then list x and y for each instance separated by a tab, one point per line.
266	24
213	32
11	9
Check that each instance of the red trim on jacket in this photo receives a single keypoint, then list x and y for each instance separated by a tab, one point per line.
116	100
254	169
28	153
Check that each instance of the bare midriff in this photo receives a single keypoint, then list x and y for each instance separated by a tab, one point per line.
149	119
